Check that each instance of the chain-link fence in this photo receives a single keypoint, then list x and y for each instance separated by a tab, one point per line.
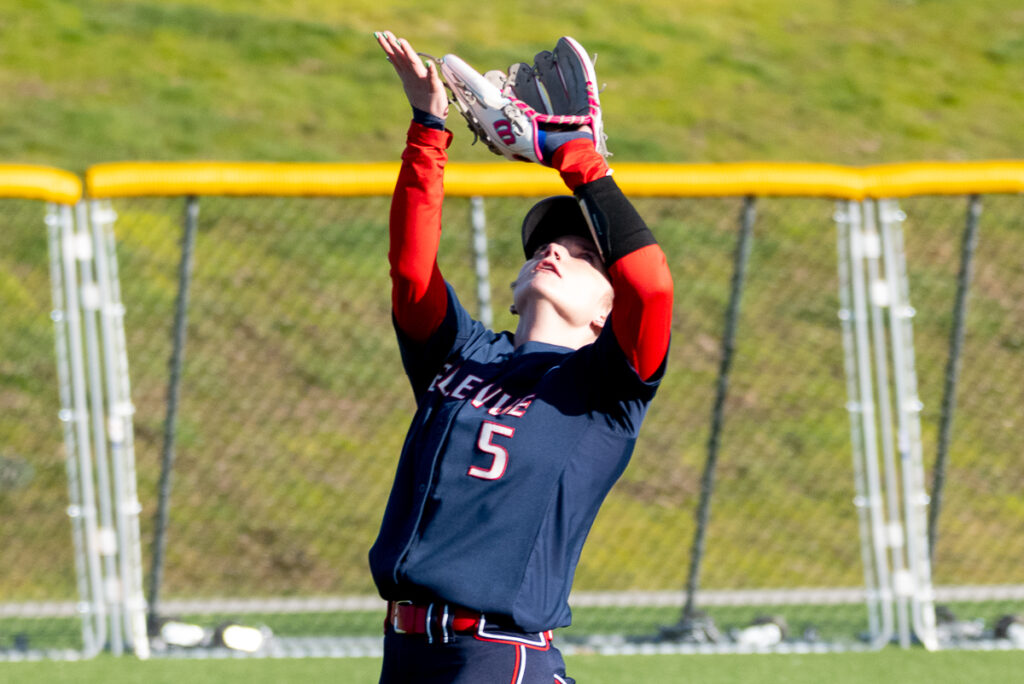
271	409
39	586
38	555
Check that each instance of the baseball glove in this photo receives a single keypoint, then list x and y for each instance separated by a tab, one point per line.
512	112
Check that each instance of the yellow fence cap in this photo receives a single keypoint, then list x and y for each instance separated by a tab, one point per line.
28	181
762	179
137	179
945	178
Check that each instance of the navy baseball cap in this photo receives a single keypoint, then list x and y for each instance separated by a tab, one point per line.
551	218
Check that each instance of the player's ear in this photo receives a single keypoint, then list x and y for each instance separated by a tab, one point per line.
605	308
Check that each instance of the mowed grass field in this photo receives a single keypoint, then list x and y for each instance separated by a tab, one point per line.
890	666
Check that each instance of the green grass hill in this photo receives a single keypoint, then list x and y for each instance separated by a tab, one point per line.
86	81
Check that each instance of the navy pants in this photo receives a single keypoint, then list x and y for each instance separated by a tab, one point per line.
488	656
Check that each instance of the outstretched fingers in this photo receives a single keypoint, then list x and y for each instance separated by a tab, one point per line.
421	82
401	55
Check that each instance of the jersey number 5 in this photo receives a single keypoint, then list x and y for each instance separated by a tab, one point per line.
484	443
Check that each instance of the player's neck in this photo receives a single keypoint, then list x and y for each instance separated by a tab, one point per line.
545	324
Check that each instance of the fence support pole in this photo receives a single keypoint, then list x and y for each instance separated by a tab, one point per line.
74	416
915	583
956	343
173	394
481	265
707	483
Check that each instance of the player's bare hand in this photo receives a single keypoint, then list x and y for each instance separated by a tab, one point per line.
420	79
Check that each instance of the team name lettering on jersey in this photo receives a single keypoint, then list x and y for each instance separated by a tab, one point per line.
451	384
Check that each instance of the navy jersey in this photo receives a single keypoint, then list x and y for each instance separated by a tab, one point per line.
508	459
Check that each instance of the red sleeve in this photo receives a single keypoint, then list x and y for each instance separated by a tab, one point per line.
578	162
642	312
419	297
641	280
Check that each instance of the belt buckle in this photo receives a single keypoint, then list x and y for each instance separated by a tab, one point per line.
394	615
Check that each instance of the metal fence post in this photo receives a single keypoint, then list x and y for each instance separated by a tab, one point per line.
481	265
707	485
952	375
173	395
863	241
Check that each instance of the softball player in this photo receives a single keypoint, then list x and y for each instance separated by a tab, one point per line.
517	437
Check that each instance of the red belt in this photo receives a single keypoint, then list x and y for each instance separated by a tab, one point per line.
411	618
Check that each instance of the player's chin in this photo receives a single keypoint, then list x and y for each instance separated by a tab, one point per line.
546	284
534	291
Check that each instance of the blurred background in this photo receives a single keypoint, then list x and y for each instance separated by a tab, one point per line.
89	81
293	405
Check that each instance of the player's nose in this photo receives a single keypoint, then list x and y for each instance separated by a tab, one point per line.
555	250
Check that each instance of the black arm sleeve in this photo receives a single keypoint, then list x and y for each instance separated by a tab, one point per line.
617	227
